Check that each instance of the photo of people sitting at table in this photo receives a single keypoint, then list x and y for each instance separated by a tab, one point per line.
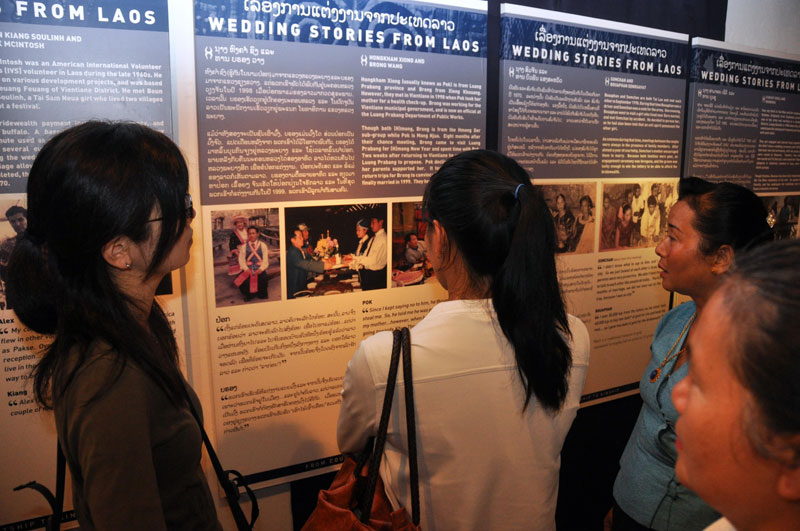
246	255
410	263
335	249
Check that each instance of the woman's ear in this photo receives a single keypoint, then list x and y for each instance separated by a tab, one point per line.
117	253
788	458
723	259
439	239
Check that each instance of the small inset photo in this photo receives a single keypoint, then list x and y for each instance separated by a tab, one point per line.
782	215
13	222
635	213
335	249
246	253
410	263
572	207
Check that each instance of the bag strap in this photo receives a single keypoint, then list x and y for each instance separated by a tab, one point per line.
61	465
56	502
401	341
380	437
230	486
411	425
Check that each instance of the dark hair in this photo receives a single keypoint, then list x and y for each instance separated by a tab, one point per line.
16	209
409	235
724	214
255	228
588	200
651	201
626	207
761	294
503	229
89	184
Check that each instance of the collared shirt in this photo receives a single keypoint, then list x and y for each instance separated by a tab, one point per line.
375	258
651	223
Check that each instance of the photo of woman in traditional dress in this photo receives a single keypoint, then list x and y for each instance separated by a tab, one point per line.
625	226
246	255
565	225
609	225
237	239
584	229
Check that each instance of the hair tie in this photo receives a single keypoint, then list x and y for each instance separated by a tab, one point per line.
516	191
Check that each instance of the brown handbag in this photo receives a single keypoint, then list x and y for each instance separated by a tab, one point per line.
356	499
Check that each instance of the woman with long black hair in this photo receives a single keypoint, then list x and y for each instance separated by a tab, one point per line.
108	217
498	368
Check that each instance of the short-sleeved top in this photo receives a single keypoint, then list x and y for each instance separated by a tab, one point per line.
484	463
646	487
134	456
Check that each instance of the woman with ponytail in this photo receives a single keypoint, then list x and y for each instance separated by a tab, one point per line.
498	368
108	217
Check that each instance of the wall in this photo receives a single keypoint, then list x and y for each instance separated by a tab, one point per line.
767	24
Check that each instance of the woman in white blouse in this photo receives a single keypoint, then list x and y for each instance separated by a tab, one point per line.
498	368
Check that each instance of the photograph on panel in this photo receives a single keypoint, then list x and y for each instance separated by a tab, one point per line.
246	254
410	263
12	227
572	207
634	213
335	249
782	215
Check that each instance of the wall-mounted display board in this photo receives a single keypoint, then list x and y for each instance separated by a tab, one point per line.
63	63
593	109
315	118
300	101
744	117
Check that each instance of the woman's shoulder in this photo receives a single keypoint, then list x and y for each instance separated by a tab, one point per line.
376	350
373	356
580	341
104	371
